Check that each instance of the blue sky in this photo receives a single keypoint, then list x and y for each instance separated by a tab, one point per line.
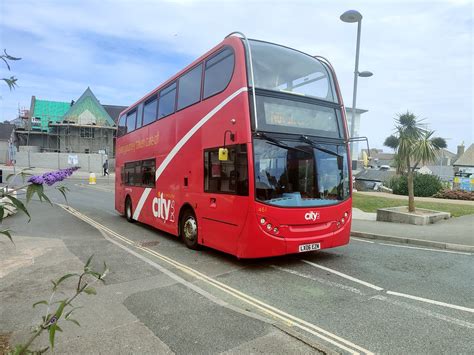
421	53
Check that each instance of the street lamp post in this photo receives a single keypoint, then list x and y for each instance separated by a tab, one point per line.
352	16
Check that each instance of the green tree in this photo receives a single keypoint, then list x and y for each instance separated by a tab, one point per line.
413	144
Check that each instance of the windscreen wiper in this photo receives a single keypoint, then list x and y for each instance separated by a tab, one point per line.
331	140
276	142
316	146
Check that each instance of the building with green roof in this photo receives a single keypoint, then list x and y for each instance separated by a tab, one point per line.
82	126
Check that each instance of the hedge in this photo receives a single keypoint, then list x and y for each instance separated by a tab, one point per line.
424	185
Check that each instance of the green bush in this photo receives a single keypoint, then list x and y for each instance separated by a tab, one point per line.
424	185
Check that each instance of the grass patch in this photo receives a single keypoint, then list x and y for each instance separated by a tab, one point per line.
371	203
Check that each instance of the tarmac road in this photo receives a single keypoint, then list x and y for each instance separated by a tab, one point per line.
369	296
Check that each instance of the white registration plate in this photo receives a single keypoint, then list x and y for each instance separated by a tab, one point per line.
309	247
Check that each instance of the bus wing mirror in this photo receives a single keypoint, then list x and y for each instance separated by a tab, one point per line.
340	162
361	139
223	154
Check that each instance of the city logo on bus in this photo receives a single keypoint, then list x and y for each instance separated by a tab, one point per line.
163	208
312	216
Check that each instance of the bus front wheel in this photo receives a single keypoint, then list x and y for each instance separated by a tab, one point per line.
129	210
189	229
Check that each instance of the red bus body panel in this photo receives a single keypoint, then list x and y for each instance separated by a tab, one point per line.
228	223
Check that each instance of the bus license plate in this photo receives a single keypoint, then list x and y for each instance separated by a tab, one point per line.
309	247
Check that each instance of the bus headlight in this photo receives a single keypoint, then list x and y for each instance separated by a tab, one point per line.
262	220
269	226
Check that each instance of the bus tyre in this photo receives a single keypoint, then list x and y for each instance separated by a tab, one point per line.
189	229
129	210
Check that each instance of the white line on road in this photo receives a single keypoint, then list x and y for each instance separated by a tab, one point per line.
438	303
428	249
344	275
320	280
414	308
393	293
362	240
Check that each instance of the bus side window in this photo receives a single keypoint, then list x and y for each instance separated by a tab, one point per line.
128	173
218	72
189	88
230	176
167	101
131	121
139	116
149	111
148	173
122	126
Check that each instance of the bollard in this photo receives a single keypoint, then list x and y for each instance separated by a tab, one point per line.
92	179
1	176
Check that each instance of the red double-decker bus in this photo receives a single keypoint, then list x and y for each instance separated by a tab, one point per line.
245	151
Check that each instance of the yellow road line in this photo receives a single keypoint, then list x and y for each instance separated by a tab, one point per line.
264	307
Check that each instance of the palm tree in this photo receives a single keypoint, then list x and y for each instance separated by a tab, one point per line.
413	144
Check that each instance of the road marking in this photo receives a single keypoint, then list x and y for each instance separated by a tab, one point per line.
95	187
424	311
393	293
362	240
427	300
274	312
320	280
344	275
428	249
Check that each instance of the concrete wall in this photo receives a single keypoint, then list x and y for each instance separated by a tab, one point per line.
88	162
3	152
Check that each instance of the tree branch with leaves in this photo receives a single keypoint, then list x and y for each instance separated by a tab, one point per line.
65	308
11	81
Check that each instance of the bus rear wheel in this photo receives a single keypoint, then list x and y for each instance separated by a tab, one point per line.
129	210
189	229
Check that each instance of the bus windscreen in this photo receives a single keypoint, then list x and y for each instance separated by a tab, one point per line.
284	69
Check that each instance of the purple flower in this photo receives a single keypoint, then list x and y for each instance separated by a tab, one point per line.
52	177
38	180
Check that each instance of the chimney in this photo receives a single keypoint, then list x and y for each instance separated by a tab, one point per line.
460	150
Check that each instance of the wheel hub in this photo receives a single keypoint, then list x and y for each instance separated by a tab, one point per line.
190	228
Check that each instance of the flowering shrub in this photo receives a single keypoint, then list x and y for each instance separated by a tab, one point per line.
34	186
52	177
456	195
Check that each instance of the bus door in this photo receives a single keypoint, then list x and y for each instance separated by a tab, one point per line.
225	202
